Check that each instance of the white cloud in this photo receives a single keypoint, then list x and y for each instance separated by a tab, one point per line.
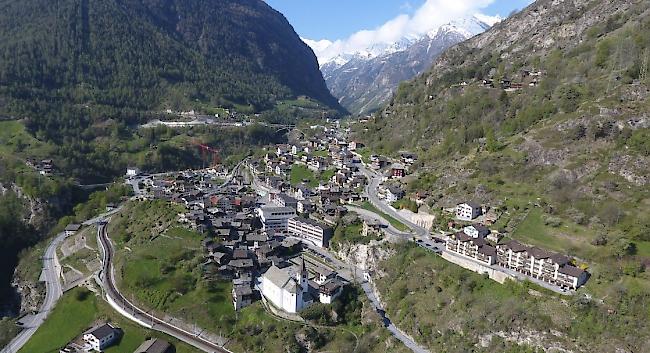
317	45
432	14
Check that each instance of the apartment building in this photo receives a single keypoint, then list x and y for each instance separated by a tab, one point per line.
475	248
310	230
541	264
468	211
276	218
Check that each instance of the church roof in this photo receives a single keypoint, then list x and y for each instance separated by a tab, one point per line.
282	279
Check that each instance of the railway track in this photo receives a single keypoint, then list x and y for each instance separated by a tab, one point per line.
144	318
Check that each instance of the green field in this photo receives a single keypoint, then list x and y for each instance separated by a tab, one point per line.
160	266
365	153
300	174
326	175
394	222
321	153
14	138
350	234
79	310
564	237
643	248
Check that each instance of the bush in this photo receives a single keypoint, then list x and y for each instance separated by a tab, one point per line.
611	214
167	268
182	283
570	97
640	141
552	222
318	313
81	295
144	281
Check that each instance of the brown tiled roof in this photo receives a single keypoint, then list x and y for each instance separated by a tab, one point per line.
539	253
462	237
571	270
479	242
488	250
515	246
560	259
240	254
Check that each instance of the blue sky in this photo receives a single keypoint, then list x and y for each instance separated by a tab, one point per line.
339	19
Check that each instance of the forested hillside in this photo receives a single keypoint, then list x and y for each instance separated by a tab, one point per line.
82	74
15	235
144	55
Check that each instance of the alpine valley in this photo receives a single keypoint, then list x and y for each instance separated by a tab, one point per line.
365	80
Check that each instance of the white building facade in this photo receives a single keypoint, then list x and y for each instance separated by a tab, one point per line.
468	211
286	290
276	218
310	230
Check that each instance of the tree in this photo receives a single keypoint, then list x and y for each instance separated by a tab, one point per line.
611	214
492	144
569	96
624	247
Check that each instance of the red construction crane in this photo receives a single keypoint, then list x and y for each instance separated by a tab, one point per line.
209	156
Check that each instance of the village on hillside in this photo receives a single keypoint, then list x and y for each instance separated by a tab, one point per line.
261	228
269	222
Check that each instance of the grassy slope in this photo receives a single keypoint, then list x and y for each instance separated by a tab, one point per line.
8	330
153	261
299	173
549	156
351	234
72	316
449	309
394	222
15	139
82	257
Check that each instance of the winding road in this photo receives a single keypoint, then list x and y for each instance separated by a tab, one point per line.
128	309
352	273
142	317
49	275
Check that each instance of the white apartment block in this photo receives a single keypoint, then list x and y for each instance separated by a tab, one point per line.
276	218
310	230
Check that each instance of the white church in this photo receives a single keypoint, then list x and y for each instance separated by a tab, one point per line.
290	289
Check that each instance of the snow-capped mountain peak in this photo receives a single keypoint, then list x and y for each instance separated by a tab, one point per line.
363	80
465	27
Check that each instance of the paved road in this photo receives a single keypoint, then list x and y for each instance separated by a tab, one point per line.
372	190
419	234
352	273
143	318
136	180
50	275
397	333
371	215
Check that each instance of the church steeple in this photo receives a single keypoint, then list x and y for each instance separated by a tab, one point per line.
303	275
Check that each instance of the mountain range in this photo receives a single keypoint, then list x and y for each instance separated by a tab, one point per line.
365	80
